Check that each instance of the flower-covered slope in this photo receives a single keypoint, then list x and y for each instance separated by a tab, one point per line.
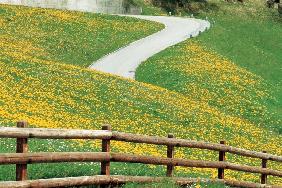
52	93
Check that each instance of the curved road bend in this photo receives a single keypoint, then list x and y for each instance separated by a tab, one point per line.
125	61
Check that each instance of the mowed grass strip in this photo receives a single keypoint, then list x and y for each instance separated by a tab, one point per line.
54	94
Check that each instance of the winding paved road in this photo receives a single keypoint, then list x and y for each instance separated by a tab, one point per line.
125	61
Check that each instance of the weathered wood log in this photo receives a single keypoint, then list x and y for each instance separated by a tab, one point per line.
53	157
221	157
192	144
169	154
30	158
9	132
105	166
22	147
42	133
263	178
98	180
117	157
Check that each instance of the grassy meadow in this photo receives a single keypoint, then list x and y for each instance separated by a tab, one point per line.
43	77
244	37
74	38
252	41
235	66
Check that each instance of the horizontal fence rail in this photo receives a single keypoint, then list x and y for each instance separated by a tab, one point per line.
192	144
40	133
22	158
32	158
118	180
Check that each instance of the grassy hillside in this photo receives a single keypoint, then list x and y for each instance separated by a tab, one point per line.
50	94
235	66
67	37
252	41
248	35
42	87
205	76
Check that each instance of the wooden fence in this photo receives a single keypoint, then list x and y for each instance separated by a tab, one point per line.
22	158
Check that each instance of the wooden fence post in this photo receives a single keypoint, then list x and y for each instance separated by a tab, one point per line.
221	158
263	178
170	154
22	147
105	166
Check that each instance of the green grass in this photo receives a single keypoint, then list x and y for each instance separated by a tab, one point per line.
250	36
49	87
70	37
252	41
148	8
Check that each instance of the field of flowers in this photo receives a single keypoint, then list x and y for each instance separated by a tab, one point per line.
42	87
244	80
65	36
51	94
235	36
203	75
